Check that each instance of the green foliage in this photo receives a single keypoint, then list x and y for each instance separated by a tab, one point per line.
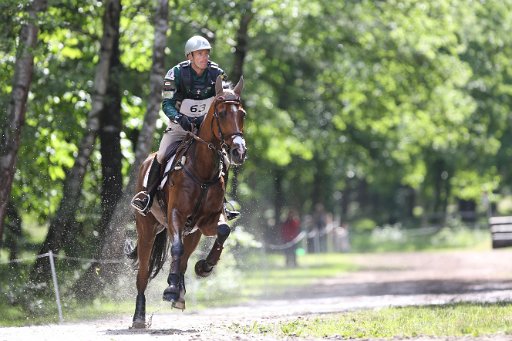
390	107
363	225
396	238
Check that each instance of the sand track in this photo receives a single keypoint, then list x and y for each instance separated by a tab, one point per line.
393	279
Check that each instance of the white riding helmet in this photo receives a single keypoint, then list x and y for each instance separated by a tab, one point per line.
196	43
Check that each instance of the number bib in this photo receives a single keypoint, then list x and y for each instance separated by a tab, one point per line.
194	107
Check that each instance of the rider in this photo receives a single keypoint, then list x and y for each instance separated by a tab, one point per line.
188	91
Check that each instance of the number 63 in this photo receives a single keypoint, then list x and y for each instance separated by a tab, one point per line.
198	107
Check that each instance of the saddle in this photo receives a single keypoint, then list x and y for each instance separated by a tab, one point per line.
176	161
173	161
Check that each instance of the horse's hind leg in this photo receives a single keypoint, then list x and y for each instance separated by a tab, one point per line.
144	246
204	267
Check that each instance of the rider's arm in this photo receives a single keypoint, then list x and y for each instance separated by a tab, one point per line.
170	93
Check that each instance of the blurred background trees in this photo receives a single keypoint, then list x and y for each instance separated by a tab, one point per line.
385	111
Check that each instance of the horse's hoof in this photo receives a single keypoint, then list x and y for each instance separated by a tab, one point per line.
179	304
170	296
201	267
139	324
177	301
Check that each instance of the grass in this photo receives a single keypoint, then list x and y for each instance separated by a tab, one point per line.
464	319
273	278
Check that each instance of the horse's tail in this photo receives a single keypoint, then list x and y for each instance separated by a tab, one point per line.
158	253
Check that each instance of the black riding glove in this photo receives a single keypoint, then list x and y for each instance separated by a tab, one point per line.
198	120
184	122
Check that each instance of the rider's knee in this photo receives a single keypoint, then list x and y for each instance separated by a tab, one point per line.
160	157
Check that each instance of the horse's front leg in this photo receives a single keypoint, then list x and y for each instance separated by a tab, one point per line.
204	267
175	278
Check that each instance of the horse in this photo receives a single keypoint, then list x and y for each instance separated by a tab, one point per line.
191	203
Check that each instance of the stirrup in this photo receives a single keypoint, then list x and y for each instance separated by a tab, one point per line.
230	215
137	202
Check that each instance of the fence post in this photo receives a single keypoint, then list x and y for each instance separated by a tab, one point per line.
55	285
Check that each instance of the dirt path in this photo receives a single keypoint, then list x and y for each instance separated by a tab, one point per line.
384	280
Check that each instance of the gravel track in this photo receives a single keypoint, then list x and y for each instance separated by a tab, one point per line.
391	279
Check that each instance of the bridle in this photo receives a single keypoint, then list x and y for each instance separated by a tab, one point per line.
223	138
222	100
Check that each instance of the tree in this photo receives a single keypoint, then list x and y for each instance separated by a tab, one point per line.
64	218
11	130
91	282
110	140
241	50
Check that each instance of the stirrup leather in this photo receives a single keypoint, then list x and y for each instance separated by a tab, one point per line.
140	198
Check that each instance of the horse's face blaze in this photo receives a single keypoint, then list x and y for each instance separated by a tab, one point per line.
238	150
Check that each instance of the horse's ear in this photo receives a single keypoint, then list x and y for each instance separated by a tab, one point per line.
218	85
239	86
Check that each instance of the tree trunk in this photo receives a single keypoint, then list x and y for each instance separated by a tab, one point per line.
441	172
92	282
346	197
110	141
362	196
278	204
241	48
319	180
65	216
16	109
13	234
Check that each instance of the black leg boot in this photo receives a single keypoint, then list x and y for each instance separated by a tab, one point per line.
143	200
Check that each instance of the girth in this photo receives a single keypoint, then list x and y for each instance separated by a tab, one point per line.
205	186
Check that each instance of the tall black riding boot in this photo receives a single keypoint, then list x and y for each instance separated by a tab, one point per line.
143	200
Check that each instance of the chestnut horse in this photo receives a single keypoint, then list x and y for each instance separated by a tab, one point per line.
191	203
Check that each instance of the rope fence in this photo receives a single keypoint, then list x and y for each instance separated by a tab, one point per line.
314	235
51	256
336	238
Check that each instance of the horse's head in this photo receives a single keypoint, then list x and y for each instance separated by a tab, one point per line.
228	120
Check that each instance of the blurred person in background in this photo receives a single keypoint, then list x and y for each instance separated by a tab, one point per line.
290	229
